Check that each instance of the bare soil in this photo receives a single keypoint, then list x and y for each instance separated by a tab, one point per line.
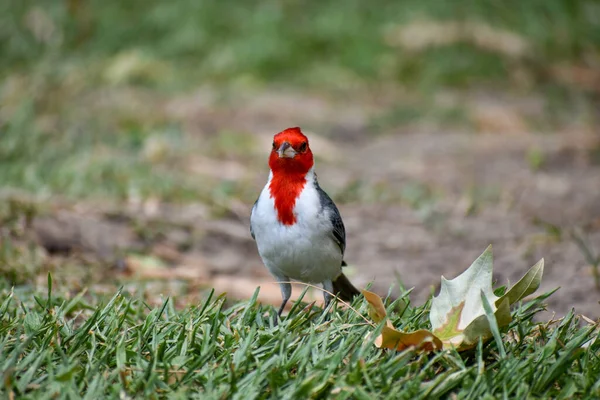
525	193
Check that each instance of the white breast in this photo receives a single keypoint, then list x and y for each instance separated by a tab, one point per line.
303	251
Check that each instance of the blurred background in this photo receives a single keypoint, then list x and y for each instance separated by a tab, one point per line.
134	137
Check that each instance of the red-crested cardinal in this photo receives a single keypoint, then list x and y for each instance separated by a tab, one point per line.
298	229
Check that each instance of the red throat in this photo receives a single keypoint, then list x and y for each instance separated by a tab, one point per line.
289	174
285	189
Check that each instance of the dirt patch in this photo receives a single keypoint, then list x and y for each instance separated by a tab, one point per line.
528	215
416	205
525	213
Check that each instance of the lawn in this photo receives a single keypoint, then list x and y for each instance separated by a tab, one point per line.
141	124
81	346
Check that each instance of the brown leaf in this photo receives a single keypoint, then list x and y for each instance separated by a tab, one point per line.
376	307
421	340
394	339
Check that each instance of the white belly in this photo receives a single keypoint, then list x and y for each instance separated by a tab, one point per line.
287	252
303	251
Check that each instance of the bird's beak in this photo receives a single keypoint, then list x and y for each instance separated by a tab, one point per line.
286	151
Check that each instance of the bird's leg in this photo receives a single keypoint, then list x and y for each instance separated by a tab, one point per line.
328	287
286	292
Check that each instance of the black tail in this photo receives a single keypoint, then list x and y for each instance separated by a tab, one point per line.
344	289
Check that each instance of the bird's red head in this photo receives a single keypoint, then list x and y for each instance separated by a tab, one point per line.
291	153
290	160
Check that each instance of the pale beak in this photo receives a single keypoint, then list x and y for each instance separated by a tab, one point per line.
286	151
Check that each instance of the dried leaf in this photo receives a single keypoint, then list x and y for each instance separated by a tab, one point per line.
465	312
459	301
458	317
480	327
376	307
422	339
394	339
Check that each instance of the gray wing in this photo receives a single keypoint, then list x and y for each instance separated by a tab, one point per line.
338	232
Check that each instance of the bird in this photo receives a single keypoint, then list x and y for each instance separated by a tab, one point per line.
298	229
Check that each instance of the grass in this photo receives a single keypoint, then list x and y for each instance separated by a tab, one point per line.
82	347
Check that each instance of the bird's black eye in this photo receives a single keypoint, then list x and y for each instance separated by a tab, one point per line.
303	147
274	146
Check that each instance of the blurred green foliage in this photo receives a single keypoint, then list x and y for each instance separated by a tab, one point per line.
80	79
304	42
